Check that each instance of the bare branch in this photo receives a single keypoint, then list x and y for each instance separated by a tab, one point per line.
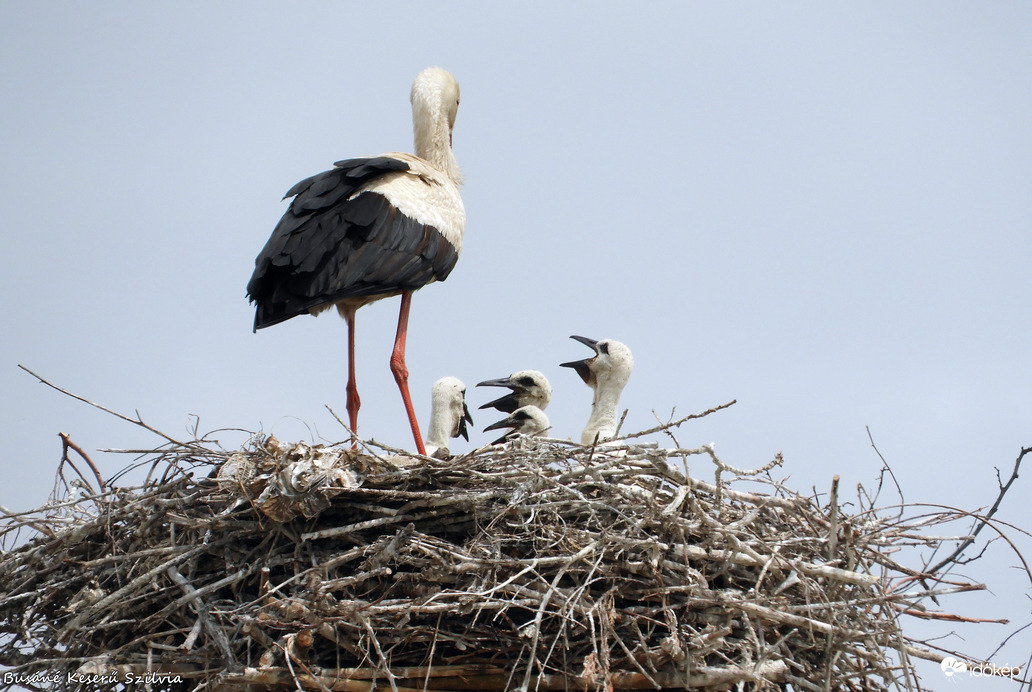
983	520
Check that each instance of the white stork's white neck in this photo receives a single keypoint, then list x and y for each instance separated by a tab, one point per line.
435	103
602	422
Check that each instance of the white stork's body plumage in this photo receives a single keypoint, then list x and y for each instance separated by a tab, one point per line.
370	228
529	388
526	420
448	415
606	373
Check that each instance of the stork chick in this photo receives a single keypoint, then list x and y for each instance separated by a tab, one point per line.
529	388
448	416
606	373
526	420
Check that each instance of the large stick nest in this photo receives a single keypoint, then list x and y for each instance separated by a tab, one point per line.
538	565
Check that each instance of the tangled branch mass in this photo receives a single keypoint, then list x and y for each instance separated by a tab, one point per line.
540	564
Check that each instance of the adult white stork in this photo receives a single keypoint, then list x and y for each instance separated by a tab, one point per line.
448	415
368	229
606	373
526	420
529	387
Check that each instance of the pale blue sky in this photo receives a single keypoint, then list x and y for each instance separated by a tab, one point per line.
818	209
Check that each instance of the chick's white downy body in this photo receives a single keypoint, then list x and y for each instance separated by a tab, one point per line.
448	415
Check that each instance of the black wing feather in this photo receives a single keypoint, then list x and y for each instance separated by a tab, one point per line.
331	244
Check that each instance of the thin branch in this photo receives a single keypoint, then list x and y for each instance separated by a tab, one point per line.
677	423
885	468
67	441
983	520
135	421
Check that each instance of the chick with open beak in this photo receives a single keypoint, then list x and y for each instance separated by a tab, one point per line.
606	373
529	388
526	420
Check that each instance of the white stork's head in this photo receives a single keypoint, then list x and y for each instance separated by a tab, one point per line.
529	388
448	414
435	103
608	369
526	420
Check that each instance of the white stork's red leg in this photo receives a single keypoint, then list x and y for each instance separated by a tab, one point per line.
354	402
401	371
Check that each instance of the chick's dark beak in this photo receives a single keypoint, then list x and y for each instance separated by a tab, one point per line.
590	343
507	403
581	366
466	418
504	423
500	382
